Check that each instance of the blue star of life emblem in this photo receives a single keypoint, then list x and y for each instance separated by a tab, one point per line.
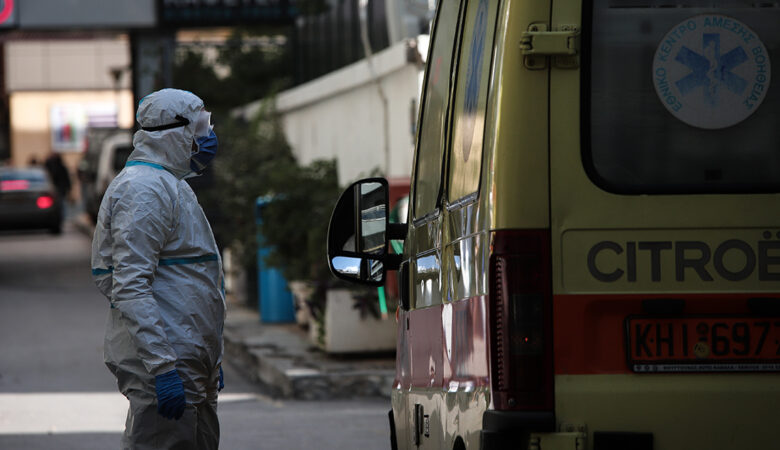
711	70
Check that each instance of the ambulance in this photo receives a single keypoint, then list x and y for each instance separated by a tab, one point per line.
592	255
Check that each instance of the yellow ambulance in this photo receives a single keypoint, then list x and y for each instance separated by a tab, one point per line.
592	255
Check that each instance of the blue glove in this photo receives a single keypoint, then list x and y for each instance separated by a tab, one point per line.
221	380
170	395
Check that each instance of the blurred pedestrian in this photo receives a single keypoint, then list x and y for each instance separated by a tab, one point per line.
59	174
155	258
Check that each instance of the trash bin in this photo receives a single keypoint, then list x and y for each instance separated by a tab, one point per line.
274	297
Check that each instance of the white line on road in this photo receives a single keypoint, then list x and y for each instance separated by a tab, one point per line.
71	412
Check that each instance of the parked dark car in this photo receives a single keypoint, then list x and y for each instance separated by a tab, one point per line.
29	200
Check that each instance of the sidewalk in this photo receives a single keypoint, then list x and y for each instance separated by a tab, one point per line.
281	358
82	223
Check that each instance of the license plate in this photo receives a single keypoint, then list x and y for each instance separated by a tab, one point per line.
703	344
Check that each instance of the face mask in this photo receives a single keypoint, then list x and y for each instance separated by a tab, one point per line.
207	150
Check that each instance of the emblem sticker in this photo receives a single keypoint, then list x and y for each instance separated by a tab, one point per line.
711	71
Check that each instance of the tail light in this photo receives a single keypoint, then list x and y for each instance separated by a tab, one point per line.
521	320
44	202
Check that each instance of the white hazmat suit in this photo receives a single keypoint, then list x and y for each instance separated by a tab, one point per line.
154	257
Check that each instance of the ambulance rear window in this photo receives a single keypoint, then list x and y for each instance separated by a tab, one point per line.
678	96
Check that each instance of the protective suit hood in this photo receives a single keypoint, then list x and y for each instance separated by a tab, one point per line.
169	143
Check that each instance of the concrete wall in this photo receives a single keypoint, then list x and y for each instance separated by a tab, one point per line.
40	74
342	115
66	64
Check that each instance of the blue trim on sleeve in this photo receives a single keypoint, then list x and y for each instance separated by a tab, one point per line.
168	262
97	272
191	260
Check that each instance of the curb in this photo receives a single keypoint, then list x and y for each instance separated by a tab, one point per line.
280	359
83	224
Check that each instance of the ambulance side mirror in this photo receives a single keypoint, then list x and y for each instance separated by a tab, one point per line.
359	234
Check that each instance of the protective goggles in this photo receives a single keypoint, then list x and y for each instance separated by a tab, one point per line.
203	125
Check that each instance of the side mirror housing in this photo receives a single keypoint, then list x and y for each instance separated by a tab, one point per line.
359	234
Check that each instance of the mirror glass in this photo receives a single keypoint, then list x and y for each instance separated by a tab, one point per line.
358	268
346	265
373	217
375	270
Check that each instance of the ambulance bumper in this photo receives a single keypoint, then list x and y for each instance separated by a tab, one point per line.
512	429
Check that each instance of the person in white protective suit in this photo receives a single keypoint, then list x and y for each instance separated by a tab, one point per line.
154	257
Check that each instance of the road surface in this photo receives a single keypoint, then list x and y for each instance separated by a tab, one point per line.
56	393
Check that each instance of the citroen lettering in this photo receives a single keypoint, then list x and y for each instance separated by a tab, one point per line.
731	260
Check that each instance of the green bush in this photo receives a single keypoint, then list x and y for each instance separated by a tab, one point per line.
255	160
295	222
252	157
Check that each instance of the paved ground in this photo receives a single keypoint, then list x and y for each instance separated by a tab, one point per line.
282	358
55	392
